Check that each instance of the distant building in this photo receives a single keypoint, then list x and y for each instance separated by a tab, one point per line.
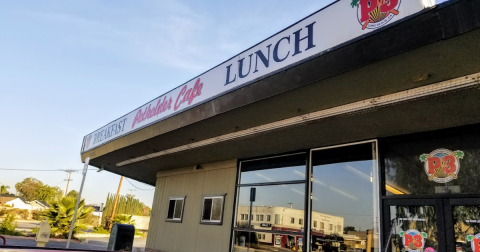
15	202
39	205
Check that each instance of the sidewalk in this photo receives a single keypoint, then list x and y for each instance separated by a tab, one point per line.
92	244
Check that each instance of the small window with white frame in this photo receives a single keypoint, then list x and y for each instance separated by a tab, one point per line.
212	209
175	209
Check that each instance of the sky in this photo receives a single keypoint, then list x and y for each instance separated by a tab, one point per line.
69	67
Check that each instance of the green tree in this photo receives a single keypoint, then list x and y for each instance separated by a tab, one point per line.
28	188
348	228
124	219
126	205
4	189
49	193
60	216
72	194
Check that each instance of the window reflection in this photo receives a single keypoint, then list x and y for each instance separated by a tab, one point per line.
415	228
344	199
274	221
278	169
407	167
284	202
262	241
467	228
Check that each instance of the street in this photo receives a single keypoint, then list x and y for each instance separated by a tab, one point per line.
92	244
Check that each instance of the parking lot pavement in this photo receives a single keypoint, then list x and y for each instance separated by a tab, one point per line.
93	244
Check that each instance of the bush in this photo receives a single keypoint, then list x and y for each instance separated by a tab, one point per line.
4	211
7	227
140	233
100	230
23	213
60	215
37	215
123	219
91	220
35	230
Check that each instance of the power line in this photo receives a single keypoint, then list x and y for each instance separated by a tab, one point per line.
137	187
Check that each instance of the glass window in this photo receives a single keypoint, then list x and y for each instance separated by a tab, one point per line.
300	221
276	187
278	200
255	241
415	228
284	168
441	164
212	210
314	224
344	193
466	221
292	220
175	209
279	219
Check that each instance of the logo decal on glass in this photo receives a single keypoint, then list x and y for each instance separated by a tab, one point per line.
475	242
373	14
442	165
413	240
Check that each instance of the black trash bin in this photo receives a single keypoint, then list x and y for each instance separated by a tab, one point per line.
121	237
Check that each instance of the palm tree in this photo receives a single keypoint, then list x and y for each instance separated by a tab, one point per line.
4	189
60	216
123	219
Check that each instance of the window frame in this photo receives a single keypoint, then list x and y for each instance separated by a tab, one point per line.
222	208
307	223
175	198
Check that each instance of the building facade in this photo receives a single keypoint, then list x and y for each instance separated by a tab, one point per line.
352	134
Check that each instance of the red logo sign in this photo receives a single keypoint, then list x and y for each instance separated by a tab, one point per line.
413	240
442	165
373	14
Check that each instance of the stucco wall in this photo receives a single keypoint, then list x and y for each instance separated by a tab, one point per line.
190	235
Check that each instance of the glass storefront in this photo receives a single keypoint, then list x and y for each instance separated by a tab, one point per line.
271	200
344	213
439	168
436	165
423	191
339	212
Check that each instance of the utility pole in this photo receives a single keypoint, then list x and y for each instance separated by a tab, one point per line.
68	180
131	191
115	204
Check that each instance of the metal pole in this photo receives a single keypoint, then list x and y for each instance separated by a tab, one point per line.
85	169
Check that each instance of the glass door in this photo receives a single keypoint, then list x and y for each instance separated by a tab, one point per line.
463	224
414	225
344	201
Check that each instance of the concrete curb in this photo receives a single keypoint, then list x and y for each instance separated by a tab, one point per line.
33	238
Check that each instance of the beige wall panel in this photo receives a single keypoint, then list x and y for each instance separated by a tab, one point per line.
167	231
190	235
193	184
212	237
154	218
